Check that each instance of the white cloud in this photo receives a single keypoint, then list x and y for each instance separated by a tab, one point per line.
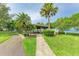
35	16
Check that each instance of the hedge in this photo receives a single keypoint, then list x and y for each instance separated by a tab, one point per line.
48	32
72	33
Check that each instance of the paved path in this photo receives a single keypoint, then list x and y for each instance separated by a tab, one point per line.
42	48
12	47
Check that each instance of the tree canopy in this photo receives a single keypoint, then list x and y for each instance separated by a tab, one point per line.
23	22
4	15
67	23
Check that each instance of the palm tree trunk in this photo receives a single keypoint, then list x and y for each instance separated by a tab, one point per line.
49	23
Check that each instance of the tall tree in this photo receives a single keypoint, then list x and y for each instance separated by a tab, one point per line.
47	11
4	15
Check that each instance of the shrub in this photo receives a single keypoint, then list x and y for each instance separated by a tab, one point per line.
72	33
26	34
61	32
48	32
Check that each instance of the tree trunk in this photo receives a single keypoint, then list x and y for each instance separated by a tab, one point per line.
49	23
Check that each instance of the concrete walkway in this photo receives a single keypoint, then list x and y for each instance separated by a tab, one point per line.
42	48
12	47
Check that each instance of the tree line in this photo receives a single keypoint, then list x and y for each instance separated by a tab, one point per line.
66	23
22	22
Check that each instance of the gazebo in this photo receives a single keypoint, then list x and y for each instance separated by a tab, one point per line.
40	28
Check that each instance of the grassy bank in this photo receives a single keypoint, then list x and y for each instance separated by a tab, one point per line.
5	36
64	45
29	44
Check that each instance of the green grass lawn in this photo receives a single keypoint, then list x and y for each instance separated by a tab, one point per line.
29	44
5	36
64	45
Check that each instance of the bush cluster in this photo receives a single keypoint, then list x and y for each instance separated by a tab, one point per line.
48	32
71	33
61	32
52	33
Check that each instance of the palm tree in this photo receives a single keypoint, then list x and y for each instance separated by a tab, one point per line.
47	11
22	22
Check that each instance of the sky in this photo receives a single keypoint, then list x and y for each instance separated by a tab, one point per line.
33	10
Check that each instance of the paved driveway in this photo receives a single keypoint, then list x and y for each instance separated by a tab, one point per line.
12	47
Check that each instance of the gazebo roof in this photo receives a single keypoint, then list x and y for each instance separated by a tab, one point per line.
41	26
